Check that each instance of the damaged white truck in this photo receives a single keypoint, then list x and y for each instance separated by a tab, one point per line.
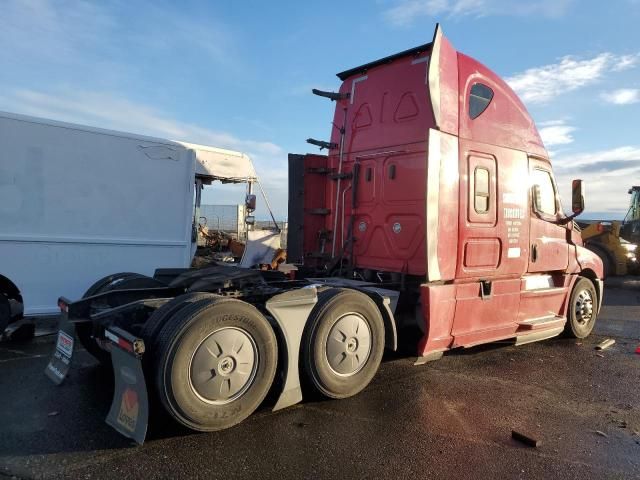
78	203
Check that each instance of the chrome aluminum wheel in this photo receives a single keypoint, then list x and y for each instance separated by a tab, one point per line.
583	307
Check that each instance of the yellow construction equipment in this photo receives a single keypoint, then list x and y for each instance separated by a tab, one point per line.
616	241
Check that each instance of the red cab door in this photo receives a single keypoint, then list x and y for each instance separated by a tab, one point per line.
549	249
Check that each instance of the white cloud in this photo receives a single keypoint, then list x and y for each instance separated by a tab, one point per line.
625	62
406	12
618	154
556	132
114	112
542	84
607	174
622	96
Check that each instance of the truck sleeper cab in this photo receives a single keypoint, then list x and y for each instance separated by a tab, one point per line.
439	182
432	223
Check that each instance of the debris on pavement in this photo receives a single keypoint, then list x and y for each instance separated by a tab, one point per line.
602	434
605	344
21	331
599	355
526	439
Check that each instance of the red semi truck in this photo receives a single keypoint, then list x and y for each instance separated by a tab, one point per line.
433	222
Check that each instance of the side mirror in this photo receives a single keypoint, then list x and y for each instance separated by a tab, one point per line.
250	220
250	202
536	197
577	197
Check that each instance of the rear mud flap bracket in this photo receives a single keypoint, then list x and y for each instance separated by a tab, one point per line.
58	367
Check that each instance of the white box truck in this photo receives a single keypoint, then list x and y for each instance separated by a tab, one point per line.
78	203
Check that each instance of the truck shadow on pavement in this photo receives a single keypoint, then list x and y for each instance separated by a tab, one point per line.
40	418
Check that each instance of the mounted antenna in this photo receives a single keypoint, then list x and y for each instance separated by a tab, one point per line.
331	95
321	144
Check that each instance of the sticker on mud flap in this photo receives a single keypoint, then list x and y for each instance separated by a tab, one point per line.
65	343
129	406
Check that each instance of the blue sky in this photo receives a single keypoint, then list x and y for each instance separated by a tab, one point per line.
238	74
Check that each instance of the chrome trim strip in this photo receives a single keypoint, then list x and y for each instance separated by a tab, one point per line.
537	335
434	158
353	86
538	282
433	75
420	60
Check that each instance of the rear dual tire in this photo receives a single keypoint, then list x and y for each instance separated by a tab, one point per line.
343	343
215	362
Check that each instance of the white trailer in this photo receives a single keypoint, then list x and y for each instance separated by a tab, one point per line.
78	203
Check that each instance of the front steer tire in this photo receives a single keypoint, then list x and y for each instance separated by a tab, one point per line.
582	309
216	360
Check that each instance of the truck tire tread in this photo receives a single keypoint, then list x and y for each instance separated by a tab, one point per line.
318	375
189	325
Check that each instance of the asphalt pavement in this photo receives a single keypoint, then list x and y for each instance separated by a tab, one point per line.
447	419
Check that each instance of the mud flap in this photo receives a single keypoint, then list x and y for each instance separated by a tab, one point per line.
129	412
58	367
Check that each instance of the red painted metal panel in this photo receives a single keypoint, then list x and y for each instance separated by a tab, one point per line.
510	201
549	246
496	311
387	118
589	260
314	200
482	253
438	308
536	304
505	122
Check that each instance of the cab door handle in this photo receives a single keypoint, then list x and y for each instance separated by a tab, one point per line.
534	253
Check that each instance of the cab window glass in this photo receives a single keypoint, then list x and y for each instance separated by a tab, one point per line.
481	190
547	204
479	99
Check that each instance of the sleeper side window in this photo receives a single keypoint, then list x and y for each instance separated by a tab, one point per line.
547	200
481	190
479	99
482	198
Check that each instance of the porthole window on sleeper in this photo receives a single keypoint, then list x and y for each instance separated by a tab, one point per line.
479	99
